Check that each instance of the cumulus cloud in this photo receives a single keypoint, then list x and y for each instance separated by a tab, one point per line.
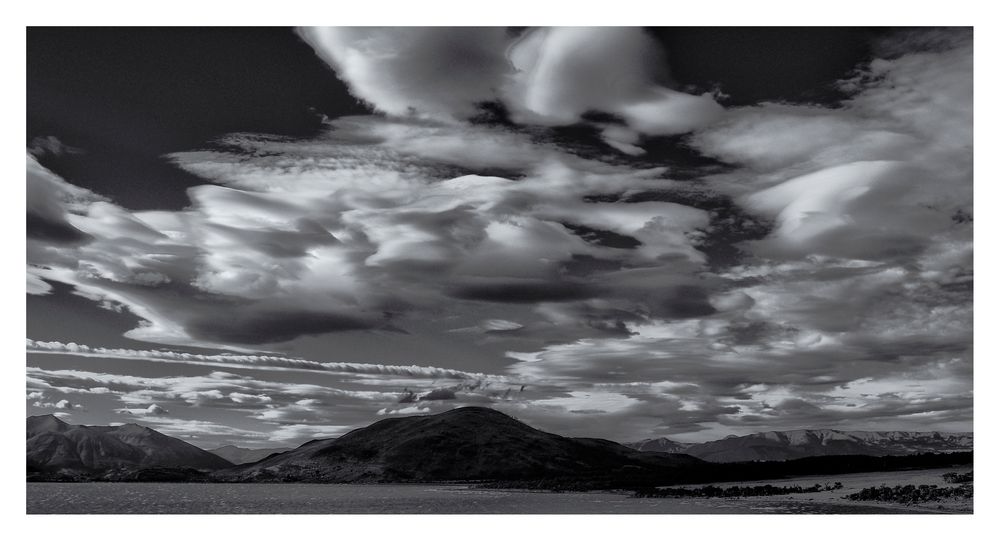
439	72
547	76
59	405
152	410
409	410
563	73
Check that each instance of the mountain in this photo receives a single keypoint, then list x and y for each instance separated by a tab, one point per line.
468	443
794	444
659	445
54	446
242	455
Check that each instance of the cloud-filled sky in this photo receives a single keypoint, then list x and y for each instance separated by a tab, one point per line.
611	232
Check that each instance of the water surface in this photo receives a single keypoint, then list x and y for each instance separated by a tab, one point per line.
150	498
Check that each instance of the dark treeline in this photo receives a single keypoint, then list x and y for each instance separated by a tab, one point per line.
119	475
910	494
740	471
624	478
712	491
958	477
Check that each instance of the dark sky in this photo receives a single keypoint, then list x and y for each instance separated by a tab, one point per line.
752	65
129	96
673	231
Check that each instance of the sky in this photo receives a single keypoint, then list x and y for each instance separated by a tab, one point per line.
265	236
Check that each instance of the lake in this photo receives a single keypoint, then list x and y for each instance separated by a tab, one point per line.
180	498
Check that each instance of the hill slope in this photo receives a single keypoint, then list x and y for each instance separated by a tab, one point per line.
54	446
462	444
242	455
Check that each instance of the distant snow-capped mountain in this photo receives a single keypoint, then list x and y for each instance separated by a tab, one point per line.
792	444
659	445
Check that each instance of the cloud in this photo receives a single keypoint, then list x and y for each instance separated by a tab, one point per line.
154	409
879	177
439	394
438	72
37	286
522	291
500	325
563	73
243	398
822	277
547	76
291	413
273	326
250	361
50	200
355	230
278	407
60	405
207	434
410	410
294	433
43	145
861	210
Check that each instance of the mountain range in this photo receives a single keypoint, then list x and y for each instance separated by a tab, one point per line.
793	444
242	455
55	447
467	444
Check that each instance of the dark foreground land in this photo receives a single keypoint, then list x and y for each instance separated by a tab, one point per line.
296	498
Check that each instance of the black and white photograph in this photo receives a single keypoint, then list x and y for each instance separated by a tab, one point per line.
675	270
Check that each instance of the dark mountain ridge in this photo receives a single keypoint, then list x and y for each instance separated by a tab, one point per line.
463	444
54	446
